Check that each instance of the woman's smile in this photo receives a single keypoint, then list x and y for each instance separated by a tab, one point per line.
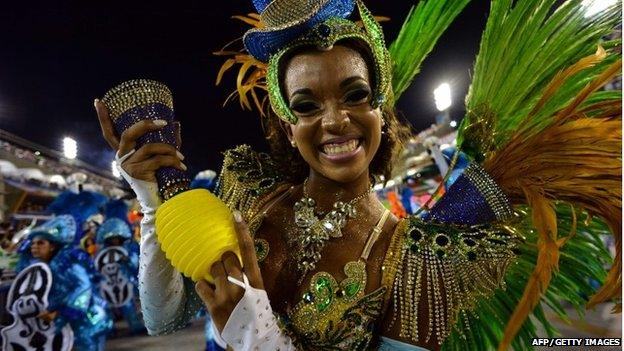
341	149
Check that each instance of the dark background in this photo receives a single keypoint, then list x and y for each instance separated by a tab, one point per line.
57	56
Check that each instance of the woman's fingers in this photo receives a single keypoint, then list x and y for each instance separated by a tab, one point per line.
149	150
143	163
146	170
234	270
160	161
218	274
128	138
232	265
106	124
206	293
178	134
248	252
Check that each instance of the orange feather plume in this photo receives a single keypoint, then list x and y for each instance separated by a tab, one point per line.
250	81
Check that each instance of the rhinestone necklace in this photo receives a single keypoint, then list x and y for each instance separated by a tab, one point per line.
314	232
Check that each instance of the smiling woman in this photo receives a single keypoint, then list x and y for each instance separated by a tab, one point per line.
338	132
332	132
340	76
324	265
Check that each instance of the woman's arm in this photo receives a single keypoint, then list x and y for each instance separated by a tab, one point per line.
442	264
168	300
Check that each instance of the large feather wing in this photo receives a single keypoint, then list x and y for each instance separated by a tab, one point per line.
546	134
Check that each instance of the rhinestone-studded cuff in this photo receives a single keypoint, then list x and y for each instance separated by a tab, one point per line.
473	199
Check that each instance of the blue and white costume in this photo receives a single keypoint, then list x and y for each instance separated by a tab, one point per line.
72	293
118	264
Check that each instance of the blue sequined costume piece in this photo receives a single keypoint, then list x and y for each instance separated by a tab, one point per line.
79	205
473	198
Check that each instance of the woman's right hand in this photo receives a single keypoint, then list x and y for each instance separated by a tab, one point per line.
144	162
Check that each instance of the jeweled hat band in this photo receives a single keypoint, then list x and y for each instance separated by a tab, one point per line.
284	20
282	13
112	227
60	229
137	100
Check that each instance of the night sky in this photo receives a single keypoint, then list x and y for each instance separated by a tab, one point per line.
57	56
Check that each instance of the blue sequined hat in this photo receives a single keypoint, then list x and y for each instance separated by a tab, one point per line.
285	20
111	228
60	229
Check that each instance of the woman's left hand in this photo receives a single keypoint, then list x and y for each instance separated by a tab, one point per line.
222	297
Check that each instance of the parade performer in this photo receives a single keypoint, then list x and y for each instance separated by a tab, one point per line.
27	300
117	261
325	265
89	228
85	206
65	274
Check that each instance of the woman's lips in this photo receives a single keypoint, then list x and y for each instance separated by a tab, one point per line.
341	151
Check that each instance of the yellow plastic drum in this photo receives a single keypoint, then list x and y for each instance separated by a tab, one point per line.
194	229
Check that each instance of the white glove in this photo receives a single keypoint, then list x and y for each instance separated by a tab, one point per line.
252	325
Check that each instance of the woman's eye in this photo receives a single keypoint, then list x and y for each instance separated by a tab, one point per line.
357	96
304	107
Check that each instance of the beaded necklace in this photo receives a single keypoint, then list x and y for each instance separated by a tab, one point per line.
314	232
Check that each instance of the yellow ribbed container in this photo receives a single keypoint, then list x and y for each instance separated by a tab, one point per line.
194	229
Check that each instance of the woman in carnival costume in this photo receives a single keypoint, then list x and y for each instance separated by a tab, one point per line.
117	261
326	266
72	299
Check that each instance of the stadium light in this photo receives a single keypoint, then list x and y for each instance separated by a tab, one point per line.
70	148
442	96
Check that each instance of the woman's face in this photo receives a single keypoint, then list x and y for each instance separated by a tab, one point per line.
338	132
42	249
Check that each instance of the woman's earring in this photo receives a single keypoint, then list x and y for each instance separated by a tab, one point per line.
293	143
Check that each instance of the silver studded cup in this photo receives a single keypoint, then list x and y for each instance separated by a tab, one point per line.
136	100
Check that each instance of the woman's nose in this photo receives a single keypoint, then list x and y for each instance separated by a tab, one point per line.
336	121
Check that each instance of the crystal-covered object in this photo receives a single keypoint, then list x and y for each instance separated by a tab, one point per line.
141	99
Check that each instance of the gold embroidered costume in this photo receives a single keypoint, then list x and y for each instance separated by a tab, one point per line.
461	262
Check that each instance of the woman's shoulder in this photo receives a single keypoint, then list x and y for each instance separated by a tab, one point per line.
440	269
247	178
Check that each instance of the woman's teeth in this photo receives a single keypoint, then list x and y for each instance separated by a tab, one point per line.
336	149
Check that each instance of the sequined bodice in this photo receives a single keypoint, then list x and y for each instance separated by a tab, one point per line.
470	259
337	315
